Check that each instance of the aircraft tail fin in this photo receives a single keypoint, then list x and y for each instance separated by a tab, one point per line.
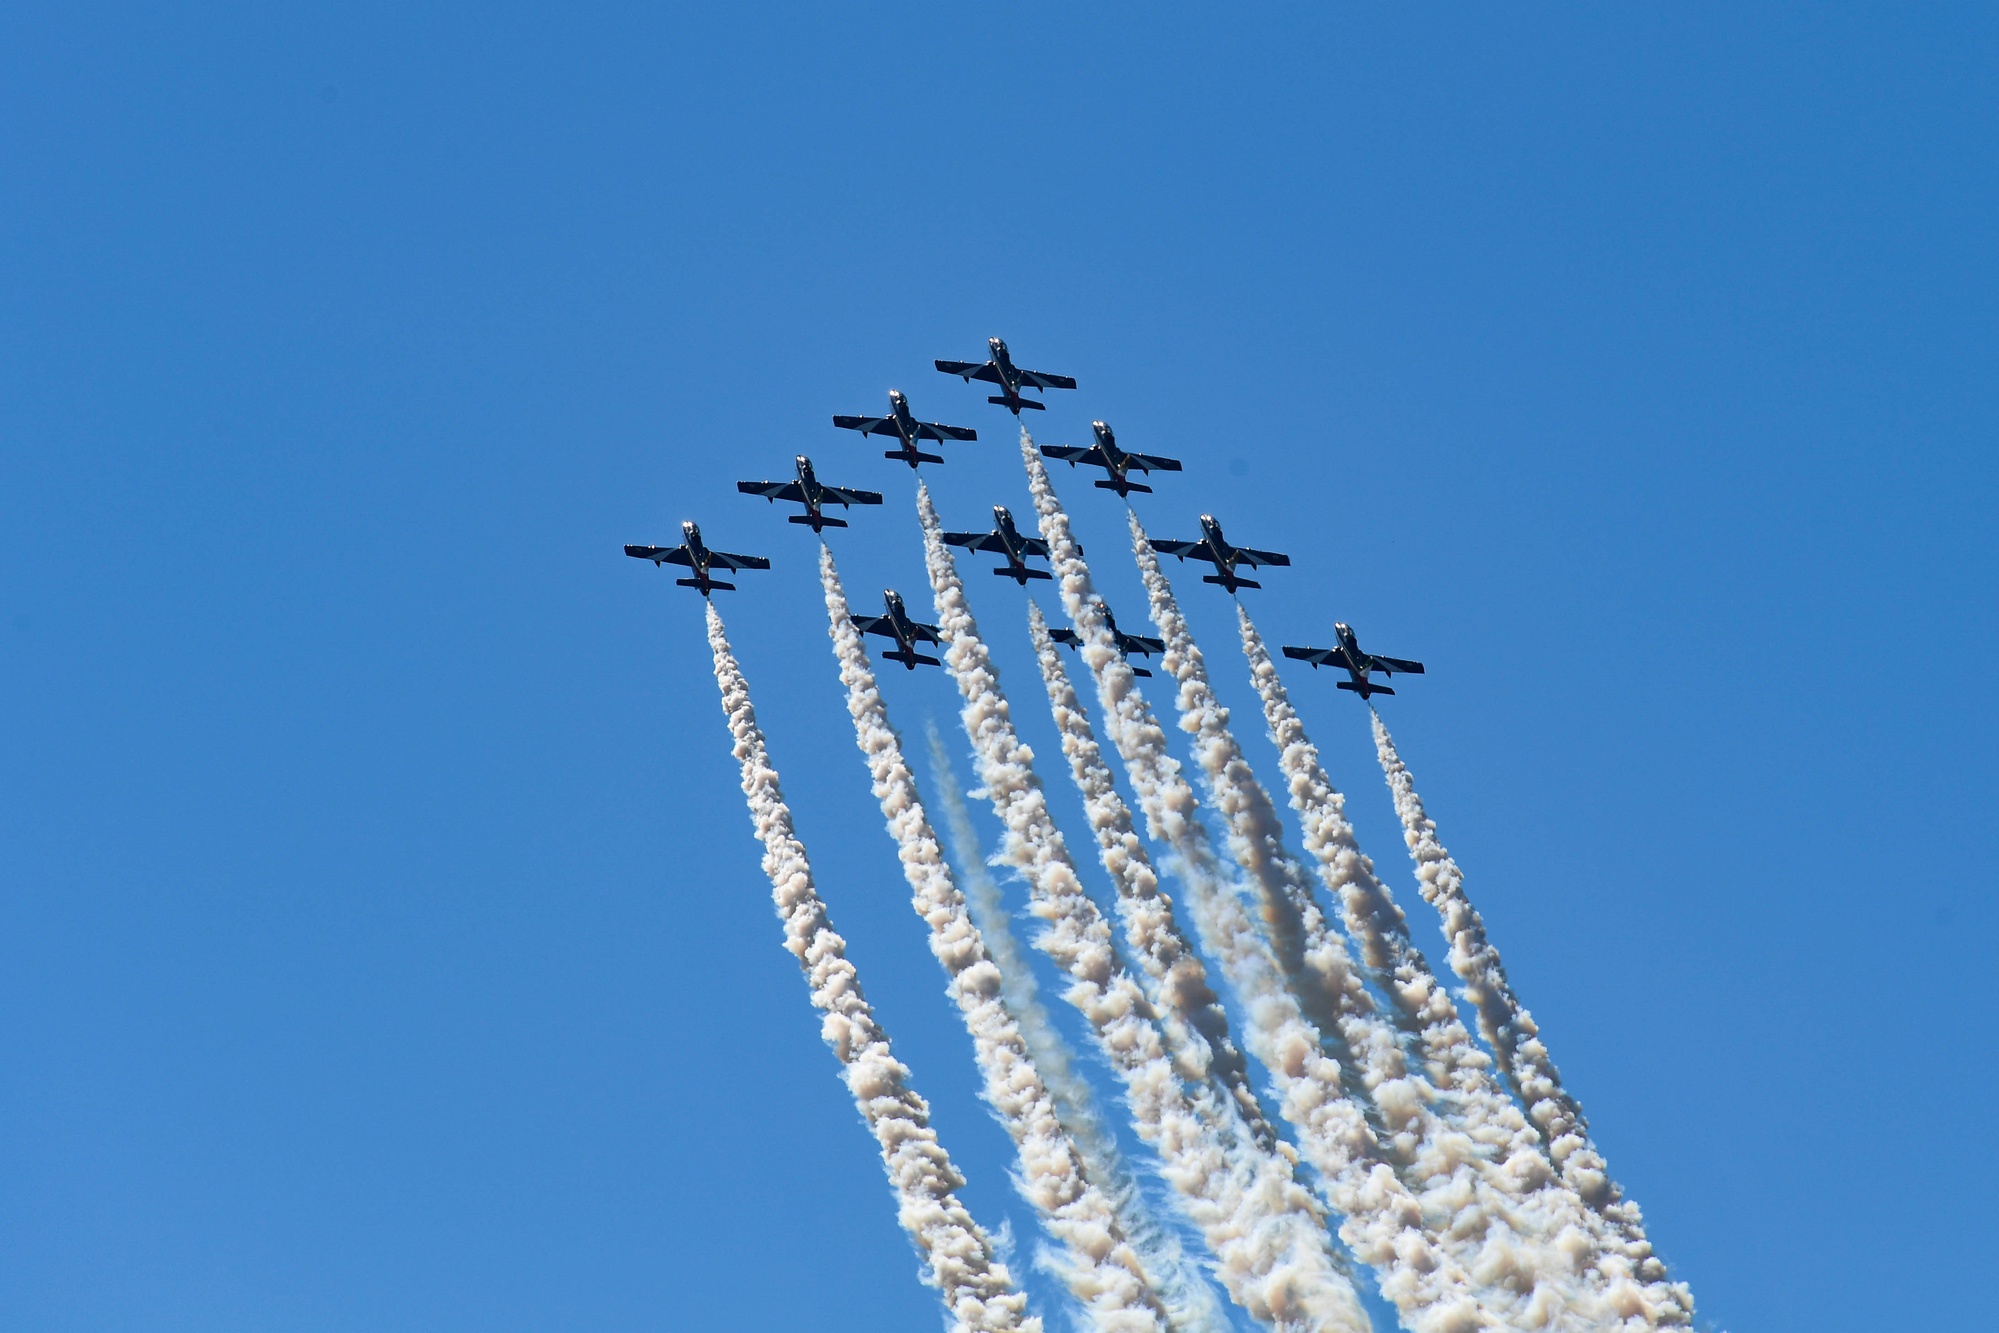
1124	488
817	523
1229	582
705	585
1364	688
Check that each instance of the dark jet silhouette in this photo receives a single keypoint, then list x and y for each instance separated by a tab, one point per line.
906	428
694	554
1011	379
1006	540
1215	549
1106	455
907	633
1356	663
809	491
1126	643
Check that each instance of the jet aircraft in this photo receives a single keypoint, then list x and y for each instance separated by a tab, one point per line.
1126	643
1356	663
1215	549
1005	539
1011	379
907	428
907	633
809	491
694	554
1106	455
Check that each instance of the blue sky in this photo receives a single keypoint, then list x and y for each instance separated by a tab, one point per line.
382	942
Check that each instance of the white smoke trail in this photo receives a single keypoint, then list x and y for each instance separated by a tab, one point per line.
1195	1025
1523	1057
1190	1302
1477	1219
1278	1271
1385	1224
1096	1262
1563	1251
959	1257
1192	1020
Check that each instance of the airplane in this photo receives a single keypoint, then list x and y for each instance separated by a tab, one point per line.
1355	662
907	633
809	491
694	553
907	428
1106	455
1215	549
1011	378
1126	643
1007	541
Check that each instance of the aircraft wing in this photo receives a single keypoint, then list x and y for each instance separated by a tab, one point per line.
1138	643
1035	546
1318	657
927	633
1392	664
873	625
976	541
675	555
1183	549
1154	463
1069	453
840	495
971	370
930	430
1065	636
1253	557
869	425
773	490
1043	380
726	561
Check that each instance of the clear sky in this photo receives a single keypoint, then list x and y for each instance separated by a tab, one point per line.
382	940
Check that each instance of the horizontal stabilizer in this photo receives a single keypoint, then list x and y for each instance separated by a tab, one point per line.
710	583
1024	402
913	457
816	523
1139	671
1122	487
911	660
1225	581
1022	574
1364	687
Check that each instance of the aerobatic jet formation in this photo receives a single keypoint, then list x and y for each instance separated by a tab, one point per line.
694	553
1215	549
1005	539
907	428
1356	663
1106	455
1126	643
907	633
811	492
1010	378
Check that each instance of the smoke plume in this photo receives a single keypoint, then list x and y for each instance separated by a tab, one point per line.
1280	1273
958	1256
1190	1302
1096	1261
1385	1223
1523	1057
1516	1188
